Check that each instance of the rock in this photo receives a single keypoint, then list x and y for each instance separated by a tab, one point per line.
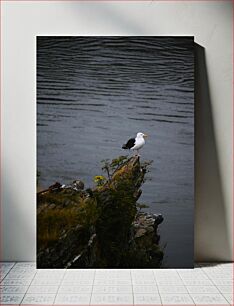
55	187
76	185
158	219
79	185
150	229
140	232
100	227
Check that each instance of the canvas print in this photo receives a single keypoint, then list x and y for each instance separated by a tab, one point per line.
115	152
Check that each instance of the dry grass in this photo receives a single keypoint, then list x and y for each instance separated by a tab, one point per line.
53	222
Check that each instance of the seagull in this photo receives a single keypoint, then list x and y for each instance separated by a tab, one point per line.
135	143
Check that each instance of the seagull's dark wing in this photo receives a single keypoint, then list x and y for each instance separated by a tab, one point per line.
129	144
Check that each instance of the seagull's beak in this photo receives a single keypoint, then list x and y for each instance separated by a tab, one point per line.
145	136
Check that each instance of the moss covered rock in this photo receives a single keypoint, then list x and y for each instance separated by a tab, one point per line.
98	227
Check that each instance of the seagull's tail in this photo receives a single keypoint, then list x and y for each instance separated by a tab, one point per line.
124	147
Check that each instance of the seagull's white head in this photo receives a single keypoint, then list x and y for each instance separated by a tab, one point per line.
141	135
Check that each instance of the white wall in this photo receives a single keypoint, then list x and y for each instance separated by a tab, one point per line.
211	24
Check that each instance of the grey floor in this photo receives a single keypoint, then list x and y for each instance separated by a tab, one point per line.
207	284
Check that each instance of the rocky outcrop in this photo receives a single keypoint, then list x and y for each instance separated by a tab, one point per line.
98	227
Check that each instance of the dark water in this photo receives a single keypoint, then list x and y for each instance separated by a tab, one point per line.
93	93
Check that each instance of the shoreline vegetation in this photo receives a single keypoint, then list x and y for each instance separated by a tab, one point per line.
103	227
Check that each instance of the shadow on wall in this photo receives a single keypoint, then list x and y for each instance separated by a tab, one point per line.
211	232
110	16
